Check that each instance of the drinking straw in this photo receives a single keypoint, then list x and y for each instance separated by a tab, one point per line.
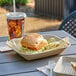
14	6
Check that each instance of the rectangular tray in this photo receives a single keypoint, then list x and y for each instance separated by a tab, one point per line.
64	68
15	44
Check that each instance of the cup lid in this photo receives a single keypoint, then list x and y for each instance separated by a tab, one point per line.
15	15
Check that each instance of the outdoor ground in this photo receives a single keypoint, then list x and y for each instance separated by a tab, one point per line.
33	23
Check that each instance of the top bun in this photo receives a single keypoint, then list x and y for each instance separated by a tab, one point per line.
33	41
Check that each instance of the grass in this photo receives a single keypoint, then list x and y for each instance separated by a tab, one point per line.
10	2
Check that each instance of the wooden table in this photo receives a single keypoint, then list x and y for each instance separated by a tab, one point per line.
11	64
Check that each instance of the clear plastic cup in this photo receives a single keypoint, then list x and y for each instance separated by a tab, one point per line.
15	21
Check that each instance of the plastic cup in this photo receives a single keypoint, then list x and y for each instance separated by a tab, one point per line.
15	21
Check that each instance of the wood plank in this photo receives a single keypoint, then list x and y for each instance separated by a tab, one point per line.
23	66
56	33
10	57
32	73
69	50
72	56
69	35
29	74
3	38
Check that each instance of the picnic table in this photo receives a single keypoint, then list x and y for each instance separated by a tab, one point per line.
12	64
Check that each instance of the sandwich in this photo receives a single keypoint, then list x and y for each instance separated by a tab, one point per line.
33	41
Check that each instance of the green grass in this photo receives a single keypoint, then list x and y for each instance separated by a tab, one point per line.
10	2
2	2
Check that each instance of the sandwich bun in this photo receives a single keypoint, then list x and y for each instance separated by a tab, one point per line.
33	41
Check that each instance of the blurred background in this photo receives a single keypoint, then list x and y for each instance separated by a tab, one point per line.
36	21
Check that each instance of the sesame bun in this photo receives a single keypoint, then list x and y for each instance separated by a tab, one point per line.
33	41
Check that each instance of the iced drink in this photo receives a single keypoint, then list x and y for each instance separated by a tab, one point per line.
15	24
